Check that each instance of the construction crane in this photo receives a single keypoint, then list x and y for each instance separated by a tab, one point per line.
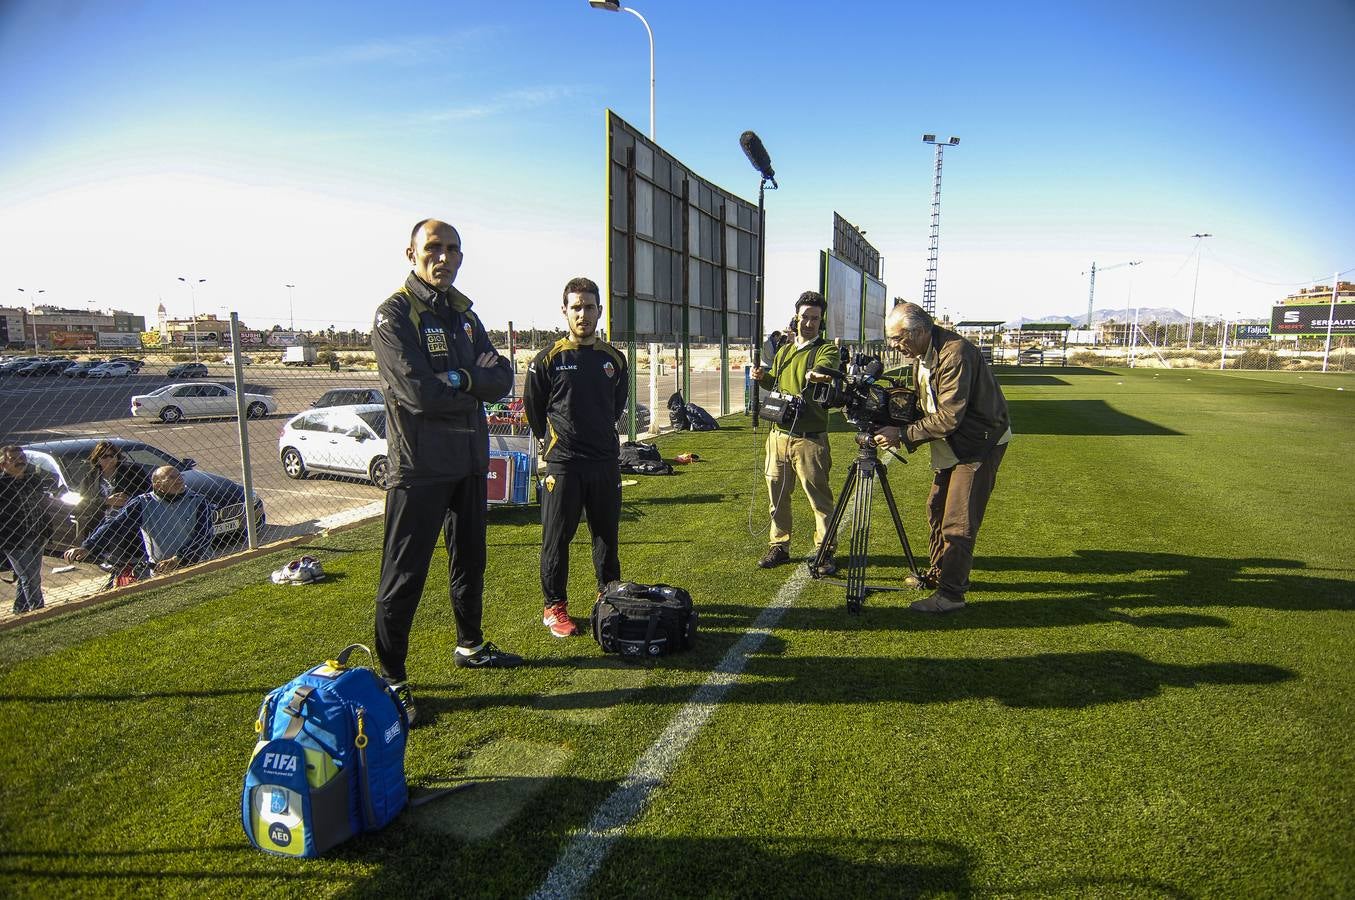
1091	294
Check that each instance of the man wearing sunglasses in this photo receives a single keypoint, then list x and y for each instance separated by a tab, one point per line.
965	422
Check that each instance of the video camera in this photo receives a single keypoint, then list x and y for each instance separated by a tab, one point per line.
869	400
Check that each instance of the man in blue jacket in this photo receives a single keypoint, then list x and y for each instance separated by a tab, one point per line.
438	368
175	525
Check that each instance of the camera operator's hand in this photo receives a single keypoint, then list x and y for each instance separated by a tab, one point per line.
758	372
819	377
887	437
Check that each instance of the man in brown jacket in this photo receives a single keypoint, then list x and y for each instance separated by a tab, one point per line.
965	420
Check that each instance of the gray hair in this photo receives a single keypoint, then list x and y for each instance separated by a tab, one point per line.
911	316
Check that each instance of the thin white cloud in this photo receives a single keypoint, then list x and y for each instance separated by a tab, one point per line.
395	51
506	102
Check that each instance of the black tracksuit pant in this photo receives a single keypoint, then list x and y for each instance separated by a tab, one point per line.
414	516
596	490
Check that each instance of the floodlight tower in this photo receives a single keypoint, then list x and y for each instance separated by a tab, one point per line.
929	286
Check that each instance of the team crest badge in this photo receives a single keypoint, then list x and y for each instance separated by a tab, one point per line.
550	484
470	332
609	369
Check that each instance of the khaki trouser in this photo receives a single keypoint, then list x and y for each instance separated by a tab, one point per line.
790	457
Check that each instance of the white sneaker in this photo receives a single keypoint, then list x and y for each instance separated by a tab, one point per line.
306	570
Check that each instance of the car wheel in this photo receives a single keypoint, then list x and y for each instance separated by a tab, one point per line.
379	472
293	466
256	410
171	414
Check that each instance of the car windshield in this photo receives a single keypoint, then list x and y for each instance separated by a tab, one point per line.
46	463
160	390
376	420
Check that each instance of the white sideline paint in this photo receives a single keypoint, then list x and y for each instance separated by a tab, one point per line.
583	857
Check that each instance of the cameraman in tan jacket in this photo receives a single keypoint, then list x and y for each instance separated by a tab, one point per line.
964	418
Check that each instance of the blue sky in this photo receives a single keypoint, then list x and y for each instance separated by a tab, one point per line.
259	144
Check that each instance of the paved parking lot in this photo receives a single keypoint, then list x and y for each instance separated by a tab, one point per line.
51	408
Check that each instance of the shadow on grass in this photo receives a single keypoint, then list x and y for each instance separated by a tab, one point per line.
1094	583
785	867
1043	681
1003	370
1016	378
1080	417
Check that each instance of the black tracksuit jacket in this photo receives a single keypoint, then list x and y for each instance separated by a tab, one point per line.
435	434
573	397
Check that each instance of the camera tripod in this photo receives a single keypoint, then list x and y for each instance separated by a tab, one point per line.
861	476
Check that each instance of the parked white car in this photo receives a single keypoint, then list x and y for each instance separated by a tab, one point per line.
183	401
344	440
109	370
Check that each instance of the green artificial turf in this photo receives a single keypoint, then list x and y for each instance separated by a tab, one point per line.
1150	693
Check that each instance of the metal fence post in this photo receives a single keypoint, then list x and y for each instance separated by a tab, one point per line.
241	419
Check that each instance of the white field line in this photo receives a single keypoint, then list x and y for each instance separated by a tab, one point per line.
584	856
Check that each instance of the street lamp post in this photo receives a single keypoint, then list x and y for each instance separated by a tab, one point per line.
1190	324
291	314
615	6
34	305
193	297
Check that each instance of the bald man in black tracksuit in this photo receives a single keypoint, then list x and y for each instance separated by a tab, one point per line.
575	392
437	366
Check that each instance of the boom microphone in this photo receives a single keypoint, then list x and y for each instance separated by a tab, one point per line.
757	154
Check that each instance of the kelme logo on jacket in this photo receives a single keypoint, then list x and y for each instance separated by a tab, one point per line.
435	339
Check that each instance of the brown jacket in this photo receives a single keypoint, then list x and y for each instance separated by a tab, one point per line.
971	411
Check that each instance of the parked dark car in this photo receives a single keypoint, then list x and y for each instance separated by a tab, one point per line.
1031	355
349	396
46	367
81	369
13	365
187	370
81	506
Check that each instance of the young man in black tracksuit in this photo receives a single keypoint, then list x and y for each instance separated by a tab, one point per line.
437	366
575	392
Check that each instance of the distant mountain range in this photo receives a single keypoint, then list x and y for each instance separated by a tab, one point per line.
1161	315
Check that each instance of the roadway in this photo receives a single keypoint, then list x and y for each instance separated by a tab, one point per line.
53	407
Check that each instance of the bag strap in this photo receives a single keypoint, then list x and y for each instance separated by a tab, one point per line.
651	629
341	661
364	776
293	709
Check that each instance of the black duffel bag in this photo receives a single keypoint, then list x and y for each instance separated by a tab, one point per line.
642	621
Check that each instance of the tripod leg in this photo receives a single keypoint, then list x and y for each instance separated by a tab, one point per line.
856	565
834	520
898	523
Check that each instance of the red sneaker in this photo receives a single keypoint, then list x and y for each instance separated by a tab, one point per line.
556	618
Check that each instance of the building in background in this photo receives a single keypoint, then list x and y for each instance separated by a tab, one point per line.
54	328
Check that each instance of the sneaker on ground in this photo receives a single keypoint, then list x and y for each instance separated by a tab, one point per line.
829	564
937	603
487	657
306	570
556	618
776	555
406	698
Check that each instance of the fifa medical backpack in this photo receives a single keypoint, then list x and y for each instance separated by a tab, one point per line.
329	762
642	621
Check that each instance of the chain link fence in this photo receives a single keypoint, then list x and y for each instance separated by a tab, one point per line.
1212	345
303	436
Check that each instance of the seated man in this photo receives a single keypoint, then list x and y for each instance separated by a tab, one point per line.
175	525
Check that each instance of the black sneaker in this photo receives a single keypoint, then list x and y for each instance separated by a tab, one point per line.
828	566
406	698
487	657
776	555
